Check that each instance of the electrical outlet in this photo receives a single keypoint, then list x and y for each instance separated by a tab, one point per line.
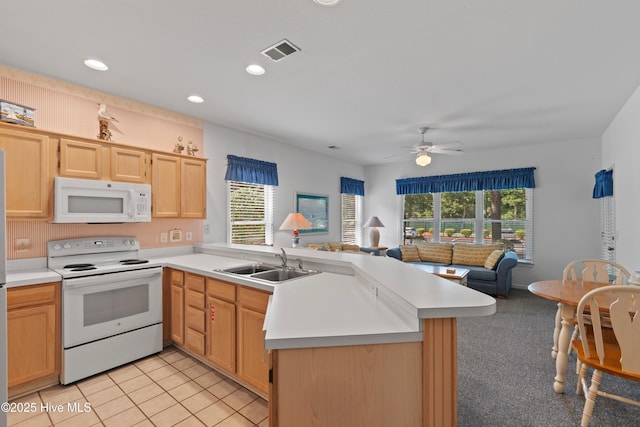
206	229
164	237
23	244
189	236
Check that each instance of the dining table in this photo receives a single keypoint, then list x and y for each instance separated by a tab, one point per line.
568	294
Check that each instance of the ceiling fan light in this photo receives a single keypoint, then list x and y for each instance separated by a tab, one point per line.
423	159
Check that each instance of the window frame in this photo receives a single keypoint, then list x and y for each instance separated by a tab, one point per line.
267	217
479	220
357	219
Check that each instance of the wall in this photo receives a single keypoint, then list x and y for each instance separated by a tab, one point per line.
566	218
298	171
64	108
620	150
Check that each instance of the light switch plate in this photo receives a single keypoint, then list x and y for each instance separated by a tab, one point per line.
189	236
164	237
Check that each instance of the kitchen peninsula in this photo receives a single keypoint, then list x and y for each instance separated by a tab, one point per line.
369	341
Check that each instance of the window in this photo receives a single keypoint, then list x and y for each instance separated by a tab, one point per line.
607	228
482	216
477	207
352	219
250	213
250	198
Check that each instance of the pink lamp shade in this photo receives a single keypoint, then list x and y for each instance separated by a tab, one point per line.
374	222
295	221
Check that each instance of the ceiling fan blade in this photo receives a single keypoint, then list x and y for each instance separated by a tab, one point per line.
454	151
448	145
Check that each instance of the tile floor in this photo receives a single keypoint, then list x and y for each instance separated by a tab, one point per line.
167	389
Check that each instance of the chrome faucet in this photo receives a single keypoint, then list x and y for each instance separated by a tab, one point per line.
283	257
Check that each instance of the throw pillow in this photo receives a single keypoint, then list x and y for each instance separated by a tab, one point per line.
472	254
435	252
335	246
493	259
316	246
347	247
409	253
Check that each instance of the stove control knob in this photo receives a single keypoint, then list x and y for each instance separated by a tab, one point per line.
57	247
67	246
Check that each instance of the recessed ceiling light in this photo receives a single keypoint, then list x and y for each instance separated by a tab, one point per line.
96	65
255	70
326	2
195	99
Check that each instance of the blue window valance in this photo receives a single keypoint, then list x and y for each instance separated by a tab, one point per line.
351	186
244	169
473	181
604	184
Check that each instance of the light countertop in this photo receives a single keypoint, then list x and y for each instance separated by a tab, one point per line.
357	299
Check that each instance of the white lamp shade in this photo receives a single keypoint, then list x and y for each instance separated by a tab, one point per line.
295	221
423	159
374	221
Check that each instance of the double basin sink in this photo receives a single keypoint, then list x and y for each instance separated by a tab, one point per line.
270	273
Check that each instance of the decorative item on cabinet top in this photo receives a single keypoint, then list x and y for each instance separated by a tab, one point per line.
191	148
16	113
179	148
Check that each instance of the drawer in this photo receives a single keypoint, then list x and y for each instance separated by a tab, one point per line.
194	282
258	300
221	290
31	295
195	319
195	299
194	341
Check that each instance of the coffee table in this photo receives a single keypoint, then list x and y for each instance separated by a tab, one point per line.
459	275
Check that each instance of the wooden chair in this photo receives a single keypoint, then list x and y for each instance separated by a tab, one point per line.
593	270
614	354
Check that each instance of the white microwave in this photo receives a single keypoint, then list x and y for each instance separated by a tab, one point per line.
93	201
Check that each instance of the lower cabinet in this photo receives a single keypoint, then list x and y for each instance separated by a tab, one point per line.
194	316
176	305
33	337
223	323
253	359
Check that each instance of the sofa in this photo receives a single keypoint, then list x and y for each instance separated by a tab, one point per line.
489	266
342	247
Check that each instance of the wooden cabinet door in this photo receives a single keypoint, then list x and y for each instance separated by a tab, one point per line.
193	176
128	165
33	333
253	363
81	159
27	173
221	333
253	359
165	186
177	314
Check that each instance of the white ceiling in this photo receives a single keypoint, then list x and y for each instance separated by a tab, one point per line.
489	73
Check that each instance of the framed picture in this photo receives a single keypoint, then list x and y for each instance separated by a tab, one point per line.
315	209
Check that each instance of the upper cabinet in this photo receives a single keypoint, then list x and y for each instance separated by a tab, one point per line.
80	159
95	160
193	194
34	157
178	186
128	165
27	173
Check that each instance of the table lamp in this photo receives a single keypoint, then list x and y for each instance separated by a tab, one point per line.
374	223
295	221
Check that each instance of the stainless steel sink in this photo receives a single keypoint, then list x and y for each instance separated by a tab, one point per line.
280	275
249	269
267	272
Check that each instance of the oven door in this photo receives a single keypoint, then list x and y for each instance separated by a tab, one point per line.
96	307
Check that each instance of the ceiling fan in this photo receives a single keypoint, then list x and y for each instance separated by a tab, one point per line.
425	148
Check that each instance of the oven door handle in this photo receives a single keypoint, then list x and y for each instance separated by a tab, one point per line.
80	282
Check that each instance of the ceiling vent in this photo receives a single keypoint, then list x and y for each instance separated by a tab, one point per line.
280	50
